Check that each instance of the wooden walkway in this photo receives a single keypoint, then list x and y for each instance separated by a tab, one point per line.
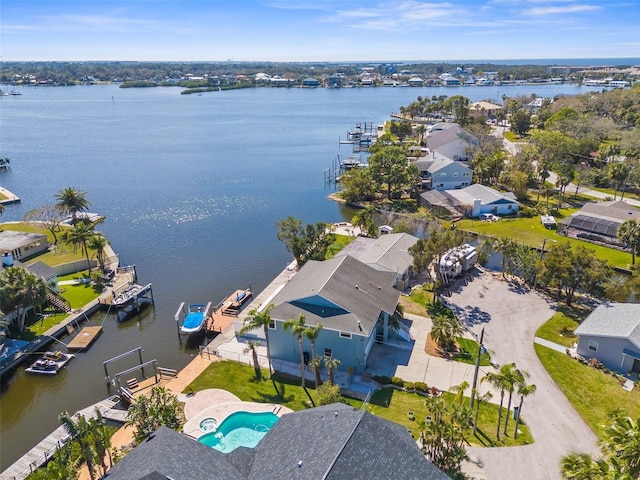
84	339
42	452
228	310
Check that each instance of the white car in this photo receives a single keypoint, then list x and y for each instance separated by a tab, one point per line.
489	217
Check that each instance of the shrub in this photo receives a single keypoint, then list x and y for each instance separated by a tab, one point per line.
328	394
409	386
382	380
422	387
528	212
397	381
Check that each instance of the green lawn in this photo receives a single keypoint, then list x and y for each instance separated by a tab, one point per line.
471	346
592	392
387	403
80	294
531	232
340	242
559	329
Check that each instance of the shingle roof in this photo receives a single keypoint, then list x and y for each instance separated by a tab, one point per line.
387	252
334	442
455	132
337	293
169	454
616	210
339	442
618	320
487	195
42	270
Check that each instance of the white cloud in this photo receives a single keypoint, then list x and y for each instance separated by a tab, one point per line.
541	11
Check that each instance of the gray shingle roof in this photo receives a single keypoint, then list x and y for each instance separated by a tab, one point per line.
487	195
334	442
387	252
619	320
337	293
169	454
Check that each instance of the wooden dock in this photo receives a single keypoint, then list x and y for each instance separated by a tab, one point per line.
228	310
84	339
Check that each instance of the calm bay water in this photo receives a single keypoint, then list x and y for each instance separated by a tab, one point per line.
191	187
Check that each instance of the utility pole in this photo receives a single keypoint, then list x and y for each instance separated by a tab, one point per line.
475	372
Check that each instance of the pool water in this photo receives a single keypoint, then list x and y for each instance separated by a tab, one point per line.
240	429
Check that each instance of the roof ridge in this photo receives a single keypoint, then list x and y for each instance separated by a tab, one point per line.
341	449
326	280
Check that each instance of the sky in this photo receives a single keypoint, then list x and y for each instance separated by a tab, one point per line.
317	31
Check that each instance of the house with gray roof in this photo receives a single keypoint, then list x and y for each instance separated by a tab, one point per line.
451	140
473	200
611	333
351	300
22	245
599	221
333	442
441	173
388	253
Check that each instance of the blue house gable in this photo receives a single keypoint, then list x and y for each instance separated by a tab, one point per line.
352	301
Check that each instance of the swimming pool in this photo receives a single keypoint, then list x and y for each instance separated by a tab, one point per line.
240	429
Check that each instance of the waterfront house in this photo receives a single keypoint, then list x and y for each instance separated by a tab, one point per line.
22	245
388	253
46	273
352	301
473	201
441	173
599	221
310	82
611	333
332	442
451	140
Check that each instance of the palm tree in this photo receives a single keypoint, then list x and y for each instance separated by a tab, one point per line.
79	236
149	412
297	327
252	346
259	319
332	364
479	398
580	466
524	390
506	247
622	442
629	234
80	430
101	439
311	333
20	290
73	201
364	219
316	364
496	379
513	378
98	243
459	391
444	329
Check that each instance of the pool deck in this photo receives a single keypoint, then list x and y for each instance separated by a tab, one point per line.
219	404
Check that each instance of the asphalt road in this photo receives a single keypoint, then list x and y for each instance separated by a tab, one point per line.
511	315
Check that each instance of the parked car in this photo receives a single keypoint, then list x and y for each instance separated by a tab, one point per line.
489	217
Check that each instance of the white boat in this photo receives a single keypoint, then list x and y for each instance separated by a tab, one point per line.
194	317
50	363
457	261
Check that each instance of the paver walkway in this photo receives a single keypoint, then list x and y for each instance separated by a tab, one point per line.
511	315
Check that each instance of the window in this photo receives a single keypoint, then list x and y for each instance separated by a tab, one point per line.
345	335
593	345
441	174
466	174
455	174
272	324
328	353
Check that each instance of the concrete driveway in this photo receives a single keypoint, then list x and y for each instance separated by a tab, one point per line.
511	315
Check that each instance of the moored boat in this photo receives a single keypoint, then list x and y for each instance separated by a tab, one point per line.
194	315
50	363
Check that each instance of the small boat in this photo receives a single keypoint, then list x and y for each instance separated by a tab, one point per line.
457	261
195	318
50	363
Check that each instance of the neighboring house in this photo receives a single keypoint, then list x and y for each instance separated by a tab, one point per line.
45	272
22	245
599	221
474	200
537	103
451	140
611	333
415	82
484	109
388	253
310	82
351	300
442	173
333	442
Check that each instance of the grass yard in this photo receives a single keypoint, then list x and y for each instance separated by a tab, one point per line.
387	403
341	242
559	329
593	393
471	346
416	303
80	294
531	232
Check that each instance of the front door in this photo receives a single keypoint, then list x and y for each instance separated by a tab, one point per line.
636	366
